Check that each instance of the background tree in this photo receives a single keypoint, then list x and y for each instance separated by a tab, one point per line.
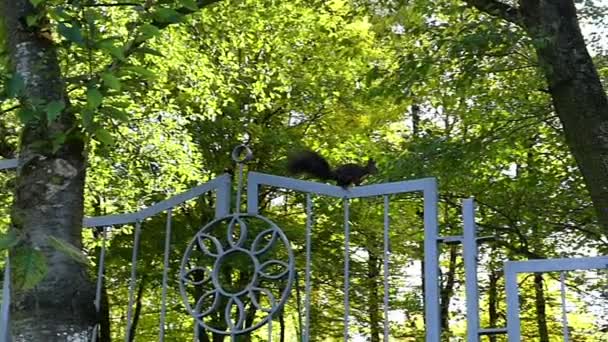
428	89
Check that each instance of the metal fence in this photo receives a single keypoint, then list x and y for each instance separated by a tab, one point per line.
240	237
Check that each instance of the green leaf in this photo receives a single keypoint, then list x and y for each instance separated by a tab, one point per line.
149	51
8	239
15	86
94	98
189	4
104	136
26	115
58	140
53	109
87	118
148	31
36	2
29	267
141	71
111	48
59	13
31	20
111	81
118	114
71	33
68	249
167	15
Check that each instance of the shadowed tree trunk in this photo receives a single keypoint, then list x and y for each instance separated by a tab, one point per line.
104	317
49	190
447	291
540	304
373	274
493	302
137	311
574	84
282	326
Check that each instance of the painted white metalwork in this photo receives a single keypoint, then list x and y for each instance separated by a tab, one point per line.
133	280
8	164
256	245
221	186
346	269
428	186
309	223
163	301
5	335
385	256
562	285
208	247
100	280
209	251
431	263
513	268
469	250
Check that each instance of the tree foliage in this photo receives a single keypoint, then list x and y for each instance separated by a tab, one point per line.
161	93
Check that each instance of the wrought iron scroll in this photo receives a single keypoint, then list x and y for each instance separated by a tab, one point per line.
238	270
264	282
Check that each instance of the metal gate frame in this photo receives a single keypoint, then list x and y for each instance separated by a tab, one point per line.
428	186
513	268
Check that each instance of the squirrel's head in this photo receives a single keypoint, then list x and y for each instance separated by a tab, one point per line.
371	166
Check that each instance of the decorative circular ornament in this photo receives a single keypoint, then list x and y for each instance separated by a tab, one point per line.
232	263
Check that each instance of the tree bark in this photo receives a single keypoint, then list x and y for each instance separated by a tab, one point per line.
137	311
578	96
282	326
574	84
494	276
104	317
447	291
49	192
540	304
373	272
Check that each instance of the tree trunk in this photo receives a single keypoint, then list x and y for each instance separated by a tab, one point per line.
574	84
578	96
447	291
373	272
493	302
105	332
137	311
49	192
282	326
540	304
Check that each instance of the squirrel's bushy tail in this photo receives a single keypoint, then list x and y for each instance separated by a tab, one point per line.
310	163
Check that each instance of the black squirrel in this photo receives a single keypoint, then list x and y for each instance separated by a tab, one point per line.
313	164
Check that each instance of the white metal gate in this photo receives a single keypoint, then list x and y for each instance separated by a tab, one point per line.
428	187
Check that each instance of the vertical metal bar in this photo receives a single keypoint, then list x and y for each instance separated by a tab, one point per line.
252	194
513	323
6	302
431	264
237	206
306	330
470	267
222	199
133	280
346	269
163	301
100	278
270	329
298	307
386	271
196	339
566	330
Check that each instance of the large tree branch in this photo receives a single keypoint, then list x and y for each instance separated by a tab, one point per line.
497	9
